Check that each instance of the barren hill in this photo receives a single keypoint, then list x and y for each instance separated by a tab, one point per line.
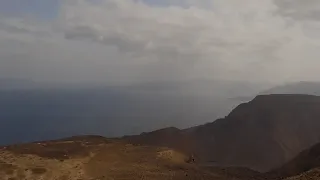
261	134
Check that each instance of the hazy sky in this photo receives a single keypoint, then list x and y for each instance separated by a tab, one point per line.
143	40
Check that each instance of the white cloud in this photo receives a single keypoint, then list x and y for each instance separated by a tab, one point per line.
130	40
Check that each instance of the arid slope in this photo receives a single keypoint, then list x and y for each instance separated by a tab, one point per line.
306	163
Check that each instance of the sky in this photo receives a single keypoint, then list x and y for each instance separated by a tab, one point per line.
129	41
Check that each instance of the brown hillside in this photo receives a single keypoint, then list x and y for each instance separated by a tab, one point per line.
303	163
261	134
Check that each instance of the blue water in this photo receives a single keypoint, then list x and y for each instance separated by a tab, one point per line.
42	114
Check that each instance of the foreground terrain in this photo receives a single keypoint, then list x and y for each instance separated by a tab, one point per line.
98	158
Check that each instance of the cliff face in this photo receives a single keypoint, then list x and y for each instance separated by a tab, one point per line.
261	134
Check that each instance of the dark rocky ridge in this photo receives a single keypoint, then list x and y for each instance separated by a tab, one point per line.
262	134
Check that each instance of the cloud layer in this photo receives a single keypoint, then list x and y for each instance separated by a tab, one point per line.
123	41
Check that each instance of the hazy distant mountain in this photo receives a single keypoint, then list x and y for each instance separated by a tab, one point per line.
304	87
311	88
262	134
